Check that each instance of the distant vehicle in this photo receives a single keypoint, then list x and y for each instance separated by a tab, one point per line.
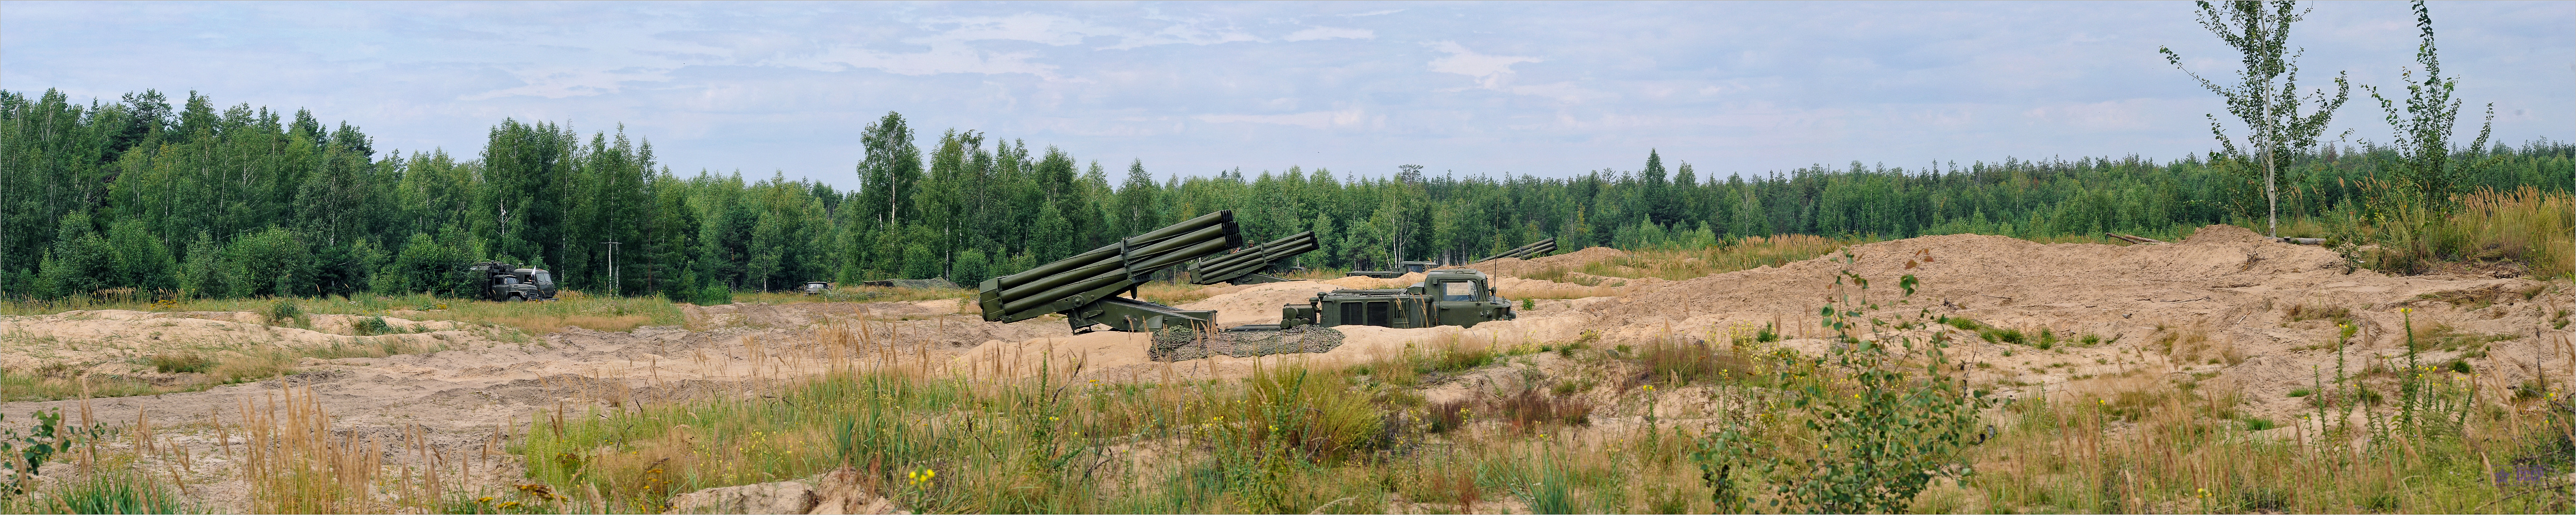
497	281
1460	297
1408	267
816	287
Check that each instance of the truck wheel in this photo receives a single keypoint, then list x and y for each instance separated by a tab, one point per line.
512	298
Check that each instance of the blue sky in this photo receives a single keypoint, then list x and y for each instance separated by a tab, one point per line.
1548	89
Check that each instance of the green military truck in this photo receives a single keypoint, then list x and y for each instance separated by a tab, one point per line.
503	282
1459	297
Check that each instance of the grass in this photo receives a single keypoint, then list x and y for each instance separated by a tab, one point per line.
205	370
119	491
2525	228
1286	439
571	309
2179	454
856	294
1682	264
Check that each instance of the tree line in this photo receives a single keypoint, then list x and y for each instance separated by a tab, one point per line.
241	201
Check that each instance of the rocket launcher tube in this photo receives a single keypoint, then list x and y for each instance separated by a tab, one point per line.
1262	257
1110	270
1097	287
1016	294
1232	266
1267	257
1111	251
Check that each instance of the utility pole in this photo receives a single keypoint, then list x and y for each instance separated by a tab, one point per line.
613	285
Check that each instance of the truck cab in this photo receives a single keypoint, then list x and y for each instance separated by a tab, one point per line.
1463	297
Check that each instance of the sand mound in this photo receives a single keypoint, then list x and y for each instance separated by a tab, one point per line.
2220	234
2221	303
1260	303
113	341
1359	282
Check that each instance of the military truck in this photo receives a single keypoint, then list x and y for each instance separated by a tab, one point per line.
1407	267
1459	297
494	280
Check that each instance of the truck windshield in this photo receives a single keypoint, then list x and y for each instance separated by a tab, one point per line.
1457	291
545	278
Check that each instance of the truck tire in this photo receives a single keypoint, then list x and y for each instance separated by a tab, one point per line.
512	298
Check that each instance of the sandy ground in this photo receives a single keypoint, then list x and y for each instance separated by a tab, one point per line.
2213	309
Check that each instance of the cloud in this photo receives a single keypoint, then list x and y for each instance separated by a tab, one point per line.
1316	33
1310	120
1190	87
565	83
1489	70
1566	92
943	57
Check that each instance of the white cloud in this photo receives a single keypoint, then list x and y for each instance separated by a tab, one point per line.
1566	92
1489	70
564	83
1310	120
1030	27
943	57
1315	33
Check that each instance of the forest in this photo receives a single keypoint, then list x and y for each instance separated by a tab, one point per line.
138	197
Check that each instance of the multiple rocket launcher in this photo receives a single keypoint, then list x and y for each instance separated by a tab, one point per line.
1086	288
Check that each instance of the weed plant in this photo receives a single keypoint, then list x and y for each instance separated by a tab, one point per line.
119	491
1883	412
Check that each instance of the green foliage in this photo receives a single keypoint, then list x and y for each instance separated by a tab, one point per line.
2425	172
1884	428
285	311
181	362
216	202
713	295
23	453
371	326
2267	98
121	491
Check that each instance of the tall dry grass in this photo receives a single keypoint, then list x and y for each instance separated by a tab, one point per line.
2525	225
1738	254
202	369
294	463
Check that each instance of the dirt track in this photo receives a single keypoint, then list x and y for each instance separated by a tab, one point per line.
2215	309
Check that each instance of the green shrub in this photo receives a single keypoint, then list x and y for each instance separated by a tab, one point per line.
123	491
182	362
1885	427
714	295
370	326
285	312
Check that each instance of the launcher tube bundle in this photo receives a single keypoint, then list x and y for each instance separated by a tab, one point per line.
1085	287
1245	267
1542	248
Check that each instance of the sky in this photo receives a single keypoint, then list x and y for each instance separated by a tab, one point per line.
1545	89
